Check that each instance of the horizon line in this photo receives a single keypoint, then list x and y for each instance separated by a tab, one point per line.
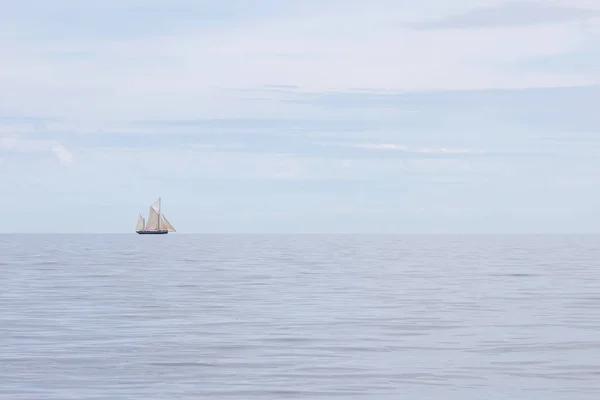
320	233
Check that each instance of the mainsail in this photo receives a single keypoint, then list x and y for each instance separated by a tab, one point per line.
152	223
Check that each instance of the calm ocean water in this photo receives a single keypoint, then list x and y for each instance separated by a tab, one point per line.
299	317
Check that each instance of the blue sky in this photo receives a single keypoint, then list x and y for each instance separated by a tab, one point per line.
387	116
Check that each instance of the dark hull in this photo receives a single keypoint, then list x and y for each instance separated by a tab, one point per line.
161	232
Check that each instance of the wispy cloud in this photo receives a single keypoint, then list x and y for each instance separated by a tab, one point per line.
441	150
65	157
511	14
17	144
403	148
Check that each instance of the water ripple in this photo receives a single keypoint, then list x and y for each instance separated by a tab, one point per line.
299	317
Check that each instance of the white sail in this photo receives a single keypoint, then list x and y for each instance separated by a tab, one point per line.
152	224
140	224
165	224
157	223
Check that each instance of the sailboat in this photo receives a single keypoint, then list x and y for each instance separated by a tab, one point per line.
157	223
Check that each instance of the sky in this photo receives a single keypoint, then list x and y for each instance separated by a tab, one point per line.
275	116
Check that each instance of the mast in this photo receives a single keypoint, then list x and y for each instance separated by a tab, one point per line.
158	226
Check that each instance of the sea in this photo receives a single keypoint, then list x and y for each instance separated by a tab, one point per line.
449	317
